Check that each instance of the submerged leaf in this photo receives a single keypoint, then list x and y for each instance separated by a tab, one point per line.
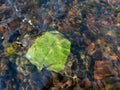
51	49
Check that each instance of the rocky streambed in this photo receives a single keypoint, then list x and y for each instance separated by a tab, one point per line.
91	26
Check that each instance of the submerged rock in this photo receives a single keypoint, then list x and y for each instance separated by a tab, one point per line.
13	36
50	50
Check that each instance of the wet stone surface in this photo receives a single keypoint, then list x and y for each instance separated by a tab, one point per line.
92	27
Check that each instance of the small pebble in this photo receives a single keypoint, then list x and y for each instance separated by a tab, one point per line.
13	36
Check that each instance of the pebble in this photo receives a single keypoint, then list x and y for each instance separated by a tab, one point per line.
13	36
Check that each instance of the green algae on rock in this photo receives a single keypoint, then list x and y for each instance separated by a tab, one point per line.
50	50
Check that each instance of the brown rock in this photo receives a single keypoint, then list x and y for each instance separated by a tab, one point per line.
46	21
87	82
71	12
102	69
118	20
114	57
4	6
1	28
90	48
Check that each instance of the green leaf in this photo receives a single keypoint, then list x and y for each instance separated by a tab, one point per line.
51	49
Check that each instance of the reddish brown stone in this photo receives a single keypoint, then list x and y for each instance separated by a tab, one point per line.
102	69
46	21
4	6
1	28
90	48
114	57
87	82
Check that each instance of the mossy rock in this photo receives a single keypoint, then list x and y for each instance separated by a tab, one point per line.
50	50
